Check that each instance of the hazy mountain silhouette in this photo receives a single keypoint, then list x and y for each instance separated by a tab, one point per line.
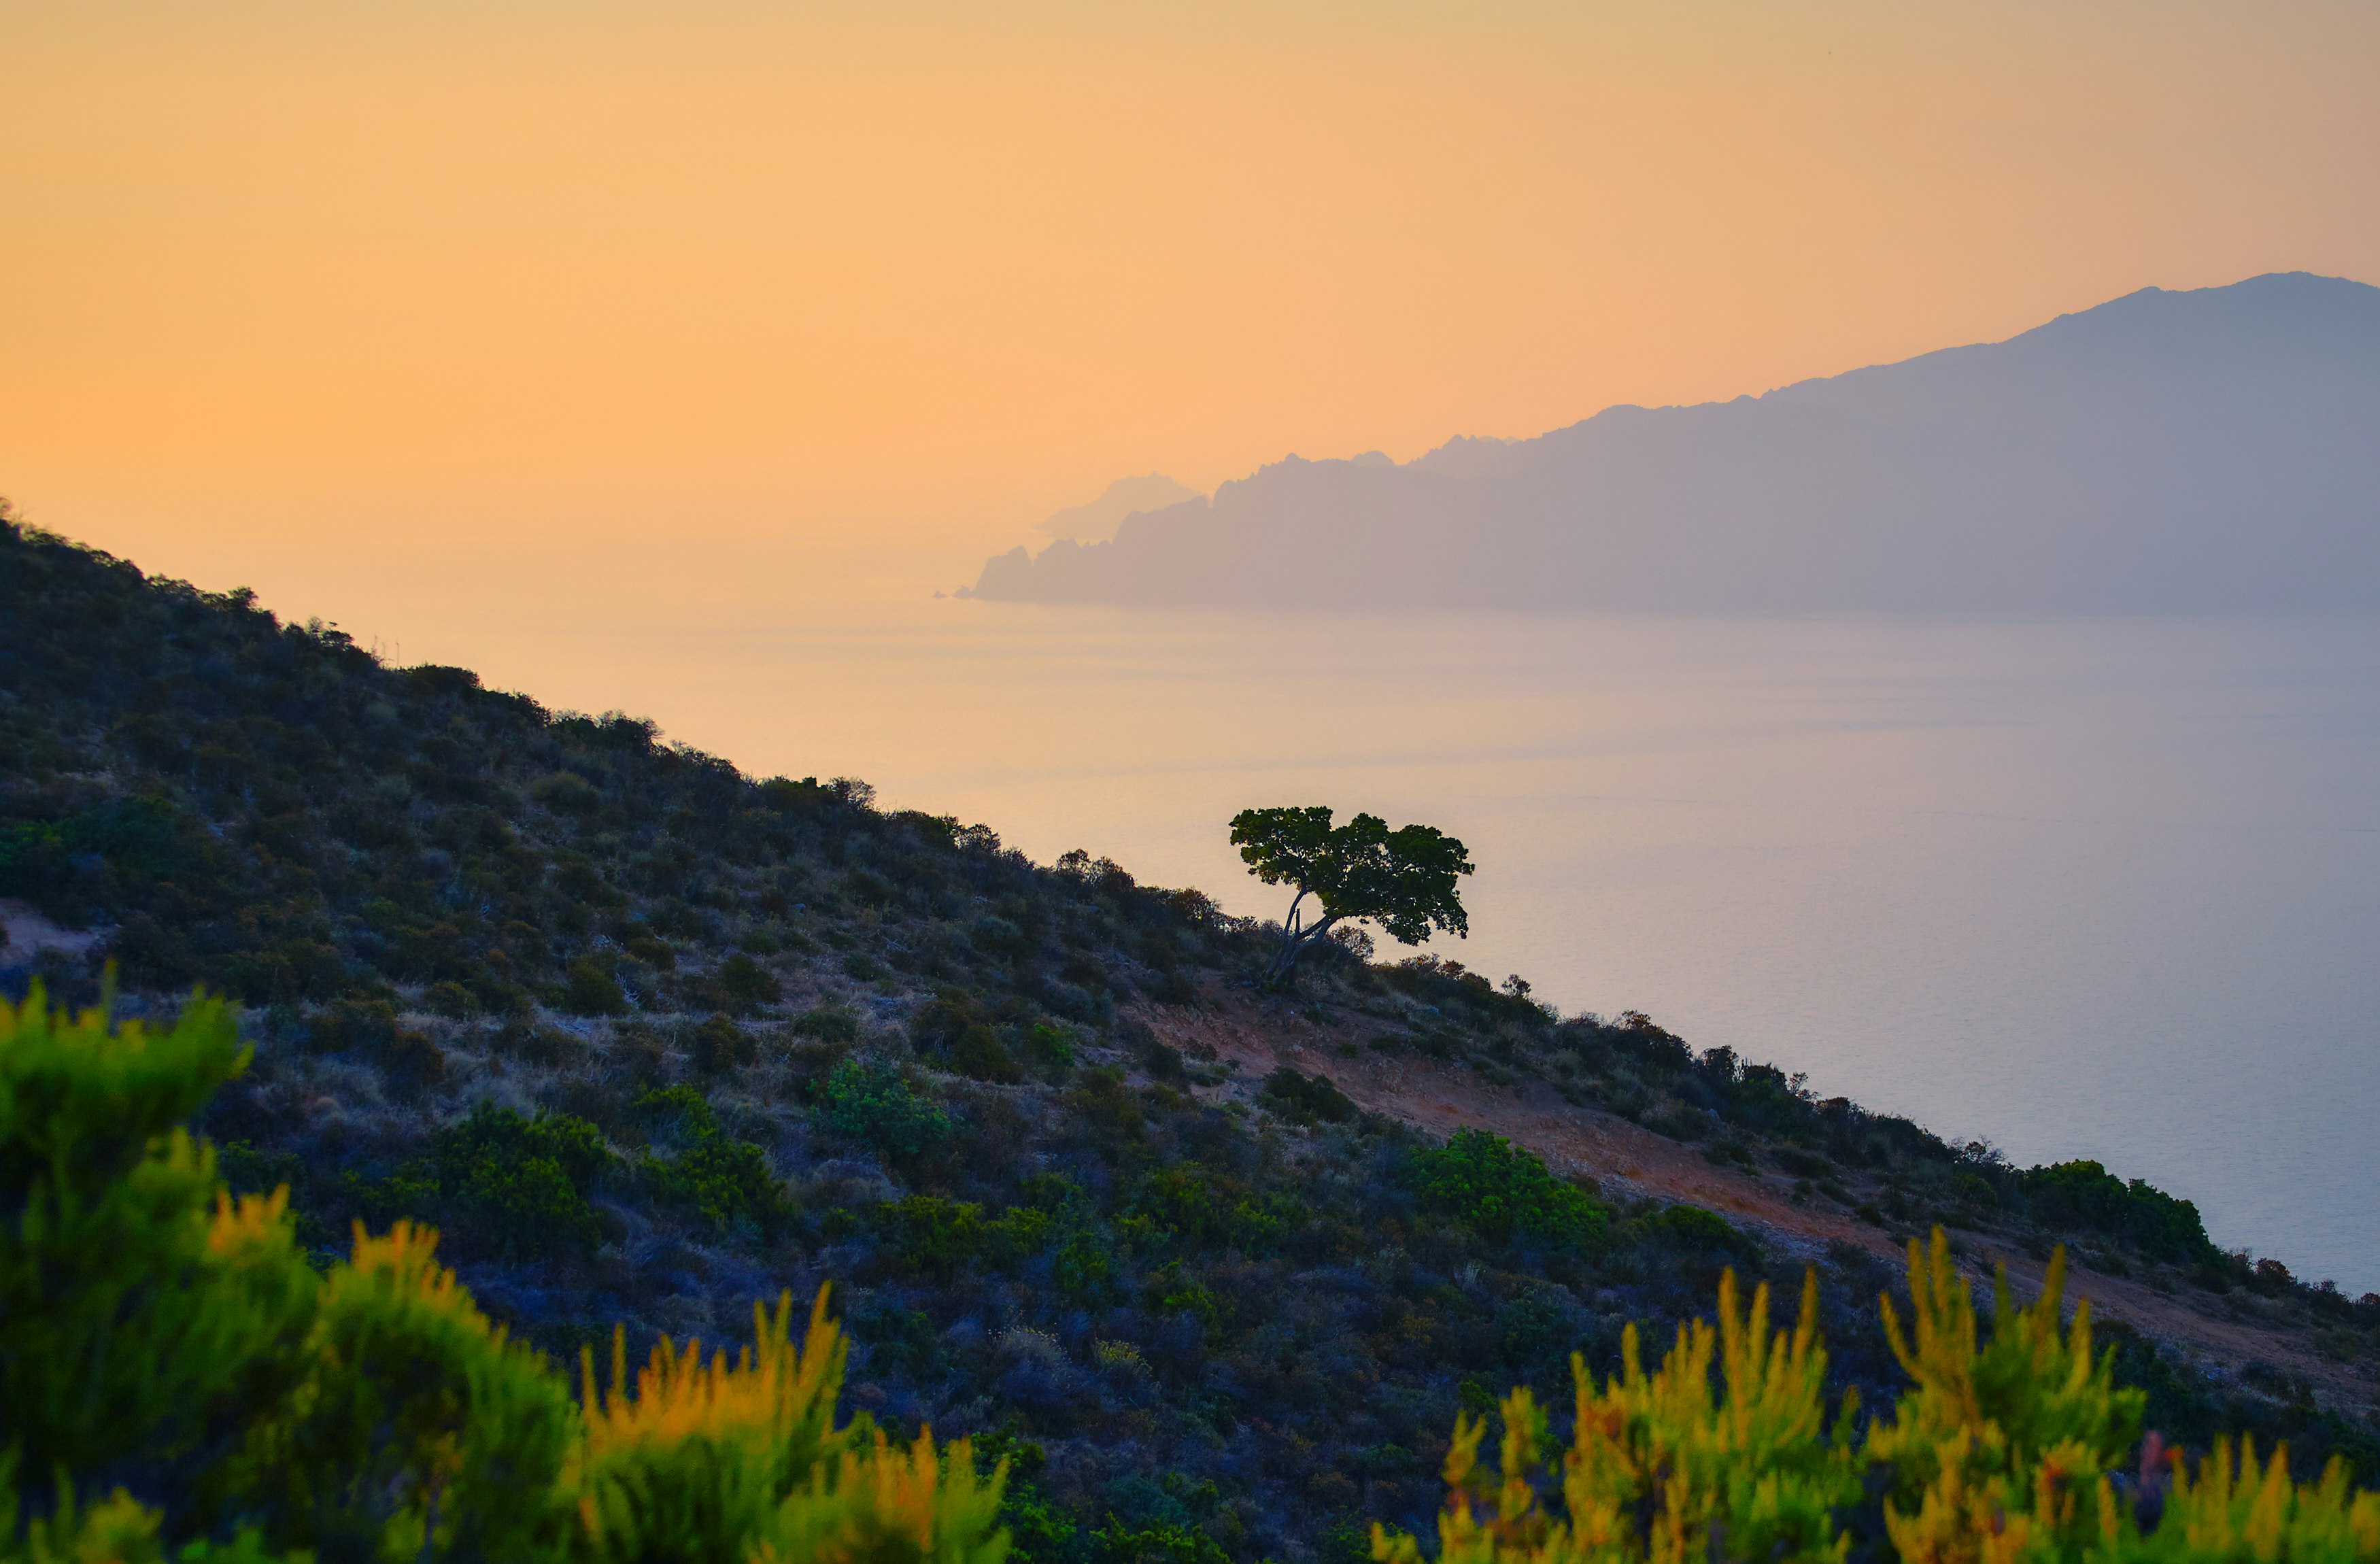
2213	449
1098	519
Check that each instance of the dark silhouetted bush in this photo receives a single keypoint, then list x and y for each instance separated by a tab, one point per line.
366	1026
591	989
413	1063
2085	1195
565	794
748	983
719	1045
828	1025
450	999
978	1054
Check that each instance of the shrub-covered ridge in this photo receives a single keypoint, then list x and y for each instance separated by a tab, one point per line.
645	1040
188	1386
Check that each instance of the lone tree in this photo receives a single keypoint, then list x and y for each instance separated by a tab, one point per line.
1402	879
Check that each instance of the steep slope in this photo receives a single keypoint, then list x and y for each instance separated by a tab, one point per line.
646	1038
2269	1333
2164	452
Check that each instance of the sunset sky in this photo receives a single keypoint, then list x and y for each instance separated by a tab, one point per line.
355	277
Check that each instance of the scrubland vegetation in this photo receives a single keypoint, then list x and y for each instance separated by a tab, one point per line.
645	1041
2003	1449
190	1386
180	1381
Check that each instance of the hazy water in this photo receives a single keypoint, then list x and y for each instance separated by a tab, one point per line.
2086	888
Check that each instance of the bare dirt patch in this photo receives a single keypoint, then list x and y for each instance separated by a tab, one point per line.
1259	1036
29	932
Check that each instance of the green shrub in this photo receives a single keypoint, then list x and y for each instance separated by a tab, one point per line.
1183	1202
1698	1229
1731	1151
1974	1191
37	865
1659	1468
1018	1232
2085	1195
1049	1051
503	1184
873	1105
1163	1060
1040	1533
67	868
1163	1542
1175	1297
1502	1190
1305	1100
418	1430
1082	1268
725	1183
139	1311
935	1235
2229	1508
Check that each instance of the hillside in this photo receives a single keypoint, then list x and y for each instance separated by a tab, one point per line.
2162	453
646	1038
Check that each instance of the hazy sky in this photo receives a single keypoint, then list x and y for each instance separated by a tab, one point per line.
349	274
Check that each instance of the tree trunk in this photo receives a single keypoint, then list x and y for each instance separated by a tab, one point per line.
1296	936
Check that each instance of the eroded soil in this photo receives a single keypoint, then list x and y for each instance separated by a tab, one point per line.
1257	1035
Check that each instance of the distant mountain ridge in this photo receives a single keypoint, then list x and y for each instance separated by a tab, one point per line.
2206	451
1098	517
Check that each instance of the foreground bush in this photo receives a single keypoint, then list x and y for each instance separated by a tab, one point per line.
2000	1452
178	1382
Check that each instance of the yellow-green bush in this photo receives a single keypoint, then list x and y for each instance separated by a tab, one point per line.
2234	1509
176	1382
1659	1468
2000	1452
416	1427
1998	1449
144	1318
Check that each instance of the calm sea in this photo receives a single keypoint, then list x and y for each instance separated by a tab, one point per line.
2099	888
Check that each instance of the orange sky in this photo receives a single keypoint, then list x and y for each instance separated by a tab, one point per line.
922	272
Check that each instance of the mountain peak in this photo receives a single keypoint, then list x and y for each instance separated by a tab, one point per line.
2192	450
1098	519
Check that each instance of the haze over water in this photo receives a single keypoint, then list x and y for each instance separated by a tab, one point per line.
2102	888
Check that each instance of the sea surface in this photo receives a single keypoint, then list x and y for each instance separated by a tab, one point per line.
2082	888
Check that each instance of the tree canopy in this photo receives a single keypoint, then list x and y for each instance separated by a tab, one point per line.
1404	880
